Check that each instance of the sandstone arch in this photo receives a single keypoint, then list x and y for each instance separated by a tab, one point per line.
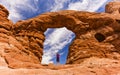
23	41
84	24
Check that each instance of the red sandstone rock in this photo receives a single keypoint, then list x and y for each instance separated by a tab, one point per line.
94	51
113	7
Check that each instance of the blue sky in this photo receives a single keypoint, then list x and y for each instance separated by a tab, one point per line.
57	40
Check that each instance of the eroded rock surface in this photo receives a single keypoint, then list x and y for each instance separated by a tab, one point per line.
95	49
96	33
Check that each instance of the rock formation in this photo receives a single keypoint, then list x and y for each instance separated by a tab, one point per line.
96	33
97	38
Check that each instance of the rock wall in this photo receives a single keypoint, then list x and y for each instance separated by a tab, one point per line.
95	32
17	51
97	35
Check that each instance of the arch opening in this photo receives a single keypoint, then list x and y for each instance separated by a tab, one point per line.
57	40
100	37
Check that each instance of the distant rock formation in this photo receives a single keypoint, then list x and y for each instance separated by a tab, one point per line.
97	40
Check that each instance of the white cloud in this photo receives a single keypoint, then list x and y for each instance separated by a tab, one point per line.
87	5
55	41
82	5
58	5
79	5
15	8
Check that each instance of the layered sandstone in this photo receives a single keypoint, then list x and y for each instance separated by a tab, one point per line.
95	50
13	52
96	33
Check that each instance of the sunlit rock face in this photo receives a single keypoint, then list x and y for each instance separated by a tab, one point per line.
97	35
113	7
12	51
